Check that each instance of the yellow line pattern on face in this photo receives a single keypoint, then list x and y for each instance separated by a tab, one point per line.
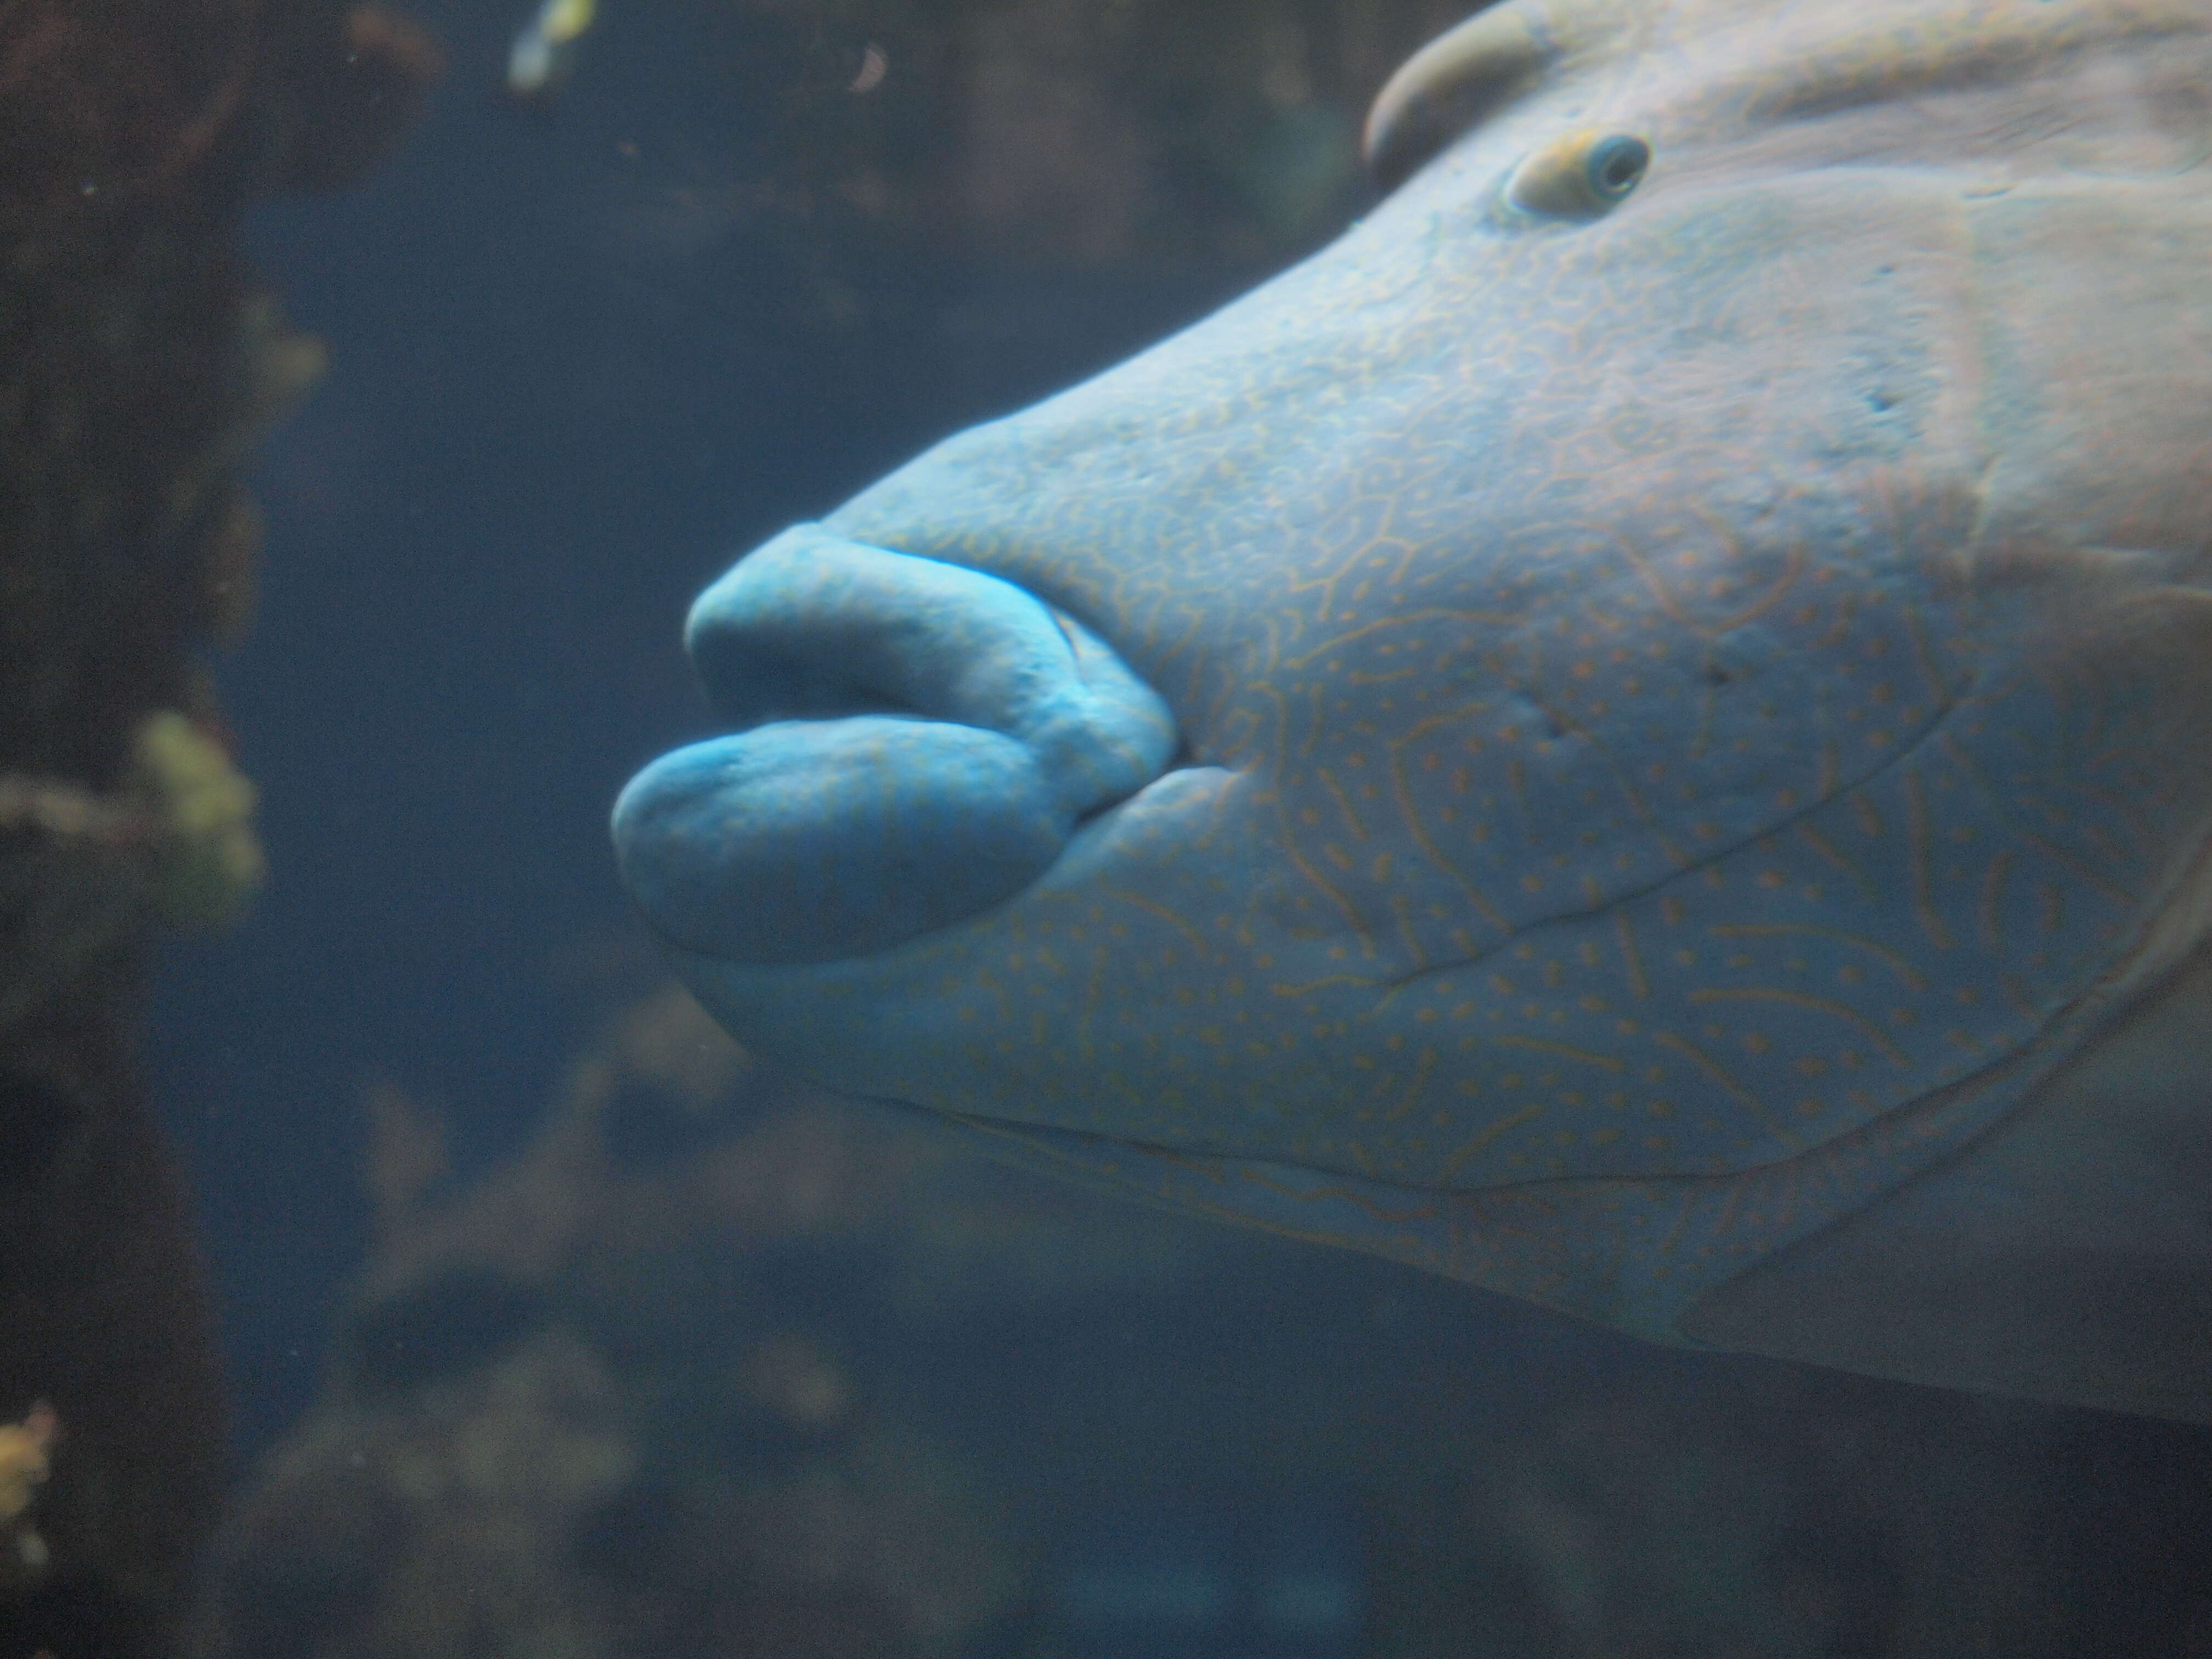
1164	913
1343	803
1827	851
1720	1074
1412	818
1603	1062
1631	959
1417	956
1355	981
1895	963
1424	1068
1341	642
1356	923
1851	1016
1466	1152
1993	882
1916	829
1101	962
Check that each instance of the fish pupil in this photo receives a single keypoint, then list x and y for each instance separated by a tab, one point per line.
1615	165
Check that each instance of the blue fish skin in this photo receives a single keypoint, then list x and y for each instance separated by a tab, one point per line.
1678	722
916	742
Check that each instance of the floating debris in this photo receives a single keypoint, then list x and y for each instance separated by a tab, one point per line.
546	51
875	63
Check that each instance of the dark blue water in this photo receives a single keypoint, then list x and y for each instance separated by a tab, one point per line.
562	397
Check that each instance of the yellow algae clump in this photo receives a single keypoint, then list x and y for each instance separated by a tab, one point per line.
210	863
545	51
23	1468
23	1448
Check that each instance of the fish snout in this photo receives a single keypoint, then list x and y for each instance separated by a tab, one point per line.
912	743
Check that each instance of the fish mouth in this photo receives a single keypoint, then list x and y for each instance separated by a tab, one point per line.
911	742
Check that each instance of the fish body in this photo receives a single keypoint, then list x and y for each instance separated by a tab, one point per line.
1636	731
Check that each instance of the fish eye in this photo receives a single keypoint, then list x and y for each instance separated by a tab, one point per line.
1580	176
1616	162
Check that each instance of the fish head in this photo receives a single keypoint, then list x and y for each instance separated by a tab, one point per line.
1642	696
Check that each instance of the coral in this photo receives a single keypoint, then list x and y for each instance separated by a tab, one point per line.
408	1161
75	882
568	1413
467	1505
230	582
103	1313
127	97
178	839
359	90
137	363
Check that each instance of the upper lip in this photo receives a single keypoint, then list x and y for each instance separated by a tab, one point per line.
910	742
811	626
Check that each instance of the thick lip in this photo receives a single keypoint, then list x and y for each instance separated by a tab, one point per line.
911	742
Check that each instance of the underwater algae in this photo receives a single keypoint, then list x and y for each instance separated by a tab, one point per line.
576	1407
1688	794
137	363
719	1367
